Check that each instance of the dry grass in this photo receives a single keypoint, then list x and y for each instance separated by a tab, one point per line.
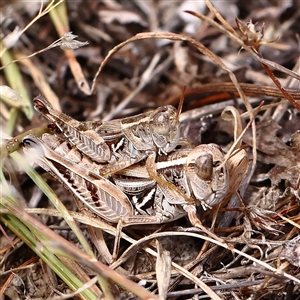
139	56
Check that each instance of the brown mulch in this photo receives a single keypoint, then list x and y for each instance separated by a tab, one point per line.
262	217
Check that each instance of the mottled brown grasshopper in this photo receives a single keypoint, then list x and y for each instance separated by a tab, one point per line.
119	143
139	191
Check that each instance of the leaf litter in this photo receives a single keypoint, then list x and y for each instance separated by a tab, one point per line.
143	67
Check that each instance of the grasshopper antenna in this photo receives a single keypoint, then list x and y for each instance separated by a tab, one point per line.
180	105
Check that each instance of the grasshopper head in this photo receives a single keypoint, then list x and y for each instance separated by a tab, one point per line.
165	128
207	174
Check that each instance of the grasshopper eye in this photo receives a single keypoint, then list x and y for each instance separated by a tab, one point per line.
204	166
161	123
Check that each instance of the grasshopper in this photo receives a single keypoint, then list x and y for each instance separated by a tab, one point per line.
185	179
119	143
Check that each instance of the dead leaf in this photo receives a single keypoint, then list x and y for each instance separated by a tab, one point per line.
267	142
163	270
291	251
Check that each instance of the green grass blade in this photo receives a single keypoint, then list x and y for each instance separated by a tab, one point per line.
16	82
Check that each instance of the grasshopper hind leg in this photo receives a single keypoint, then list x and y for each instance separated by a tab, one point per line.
192	215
